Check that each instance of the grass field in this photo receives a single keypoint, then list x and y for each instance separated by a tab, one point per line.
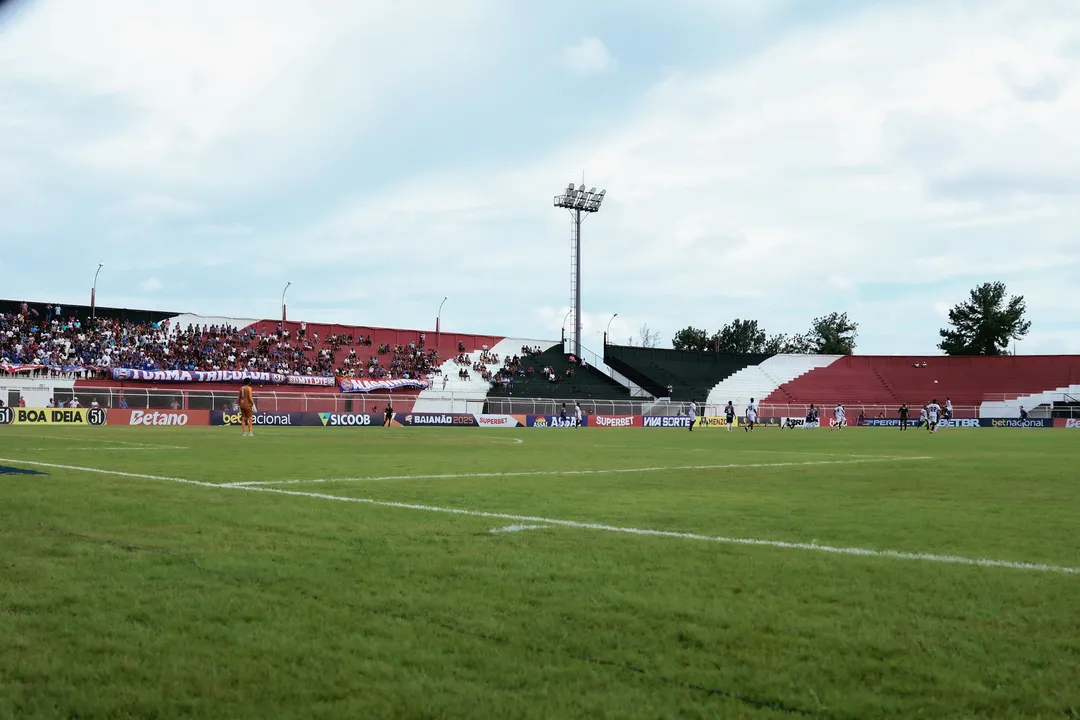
425	573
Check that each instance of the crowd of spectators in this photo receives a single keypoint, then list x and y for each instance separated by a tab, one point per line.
95	346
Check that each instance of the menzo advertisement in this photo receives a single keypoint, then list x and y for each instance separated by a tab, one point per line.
53	416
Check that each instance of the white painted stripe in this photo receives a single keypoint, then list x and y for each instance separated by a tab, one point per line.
98	448
517	528
812	546
110	441
602	471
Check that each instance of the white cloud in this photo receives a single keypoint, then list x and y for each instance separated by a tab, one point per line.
150	285
588	57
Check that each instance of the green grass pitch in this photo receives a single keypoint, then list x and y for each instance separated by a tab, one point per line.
591	574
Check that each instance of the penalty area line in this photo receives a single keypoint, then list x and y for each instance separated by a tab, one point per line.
599	527
600	471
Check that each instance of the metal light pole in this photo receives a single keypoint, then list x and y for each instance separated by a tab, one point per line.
608	328
438	320
93	293
564	326
577	201
283	302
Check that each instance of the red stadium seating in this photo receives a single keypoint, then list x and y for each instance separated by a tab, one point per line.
968	381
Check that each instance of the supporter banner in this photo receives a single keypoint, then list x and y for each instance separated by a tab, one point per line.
1071	423
549	421
668	421
435	420
1016	422
358	385
498	421
714	422
218	376
616	421
286	419
800	422
351	419
157	418
52	416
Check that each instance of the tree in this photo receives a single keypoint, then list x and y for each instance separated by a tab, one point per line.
985	323
649	338
739	336
691	338
783	345
833	334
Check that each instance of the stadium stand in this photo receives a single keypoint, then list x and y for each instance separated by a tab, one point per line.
554	374
993	384
760	380
689	375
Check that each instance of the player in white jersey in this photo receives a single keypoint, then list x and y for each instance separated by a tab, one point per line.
577	414
839	420
751	416
692	413
933	413
923	422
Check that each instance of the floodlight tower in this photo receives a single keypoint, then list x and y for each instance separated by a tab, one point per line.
577	201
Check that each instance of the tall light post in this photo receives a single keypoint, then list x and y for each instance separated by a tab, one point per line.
438	320
577	201
283	301
93	293
609	328
564	325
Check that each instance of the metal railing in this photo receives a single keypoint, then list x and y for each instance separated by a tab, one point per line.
273	400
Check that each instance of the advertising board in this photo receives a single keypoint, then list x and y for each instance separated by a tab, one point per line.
1070	423
160	418
350	419
615	421
714	422
436	420
1016	423
798	422
553	421
53	416
498	421
667	421
267	419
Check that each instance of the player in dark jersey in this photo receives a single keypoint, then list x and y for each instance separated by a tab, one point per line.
903	416
729	415
388	415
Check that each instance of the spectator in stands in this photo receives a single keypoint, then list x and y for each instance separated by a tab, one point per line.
66	346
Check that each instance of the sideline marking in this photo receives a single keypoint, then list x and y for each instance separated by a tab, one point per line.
517	528
97	448
605	471
811	546
76	438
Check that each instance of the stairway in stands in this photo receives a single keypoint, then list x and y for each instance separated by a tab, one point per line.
765	381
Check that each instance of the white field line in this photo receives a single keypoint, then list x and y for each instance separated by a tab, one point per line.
517	528
604	471
812	546
98	448
110	441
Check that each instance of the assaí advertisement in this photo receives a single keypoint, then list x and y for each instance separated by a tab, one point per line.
52	416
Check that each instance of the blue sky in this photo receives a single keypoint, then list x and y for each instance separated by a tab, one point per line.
773	159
